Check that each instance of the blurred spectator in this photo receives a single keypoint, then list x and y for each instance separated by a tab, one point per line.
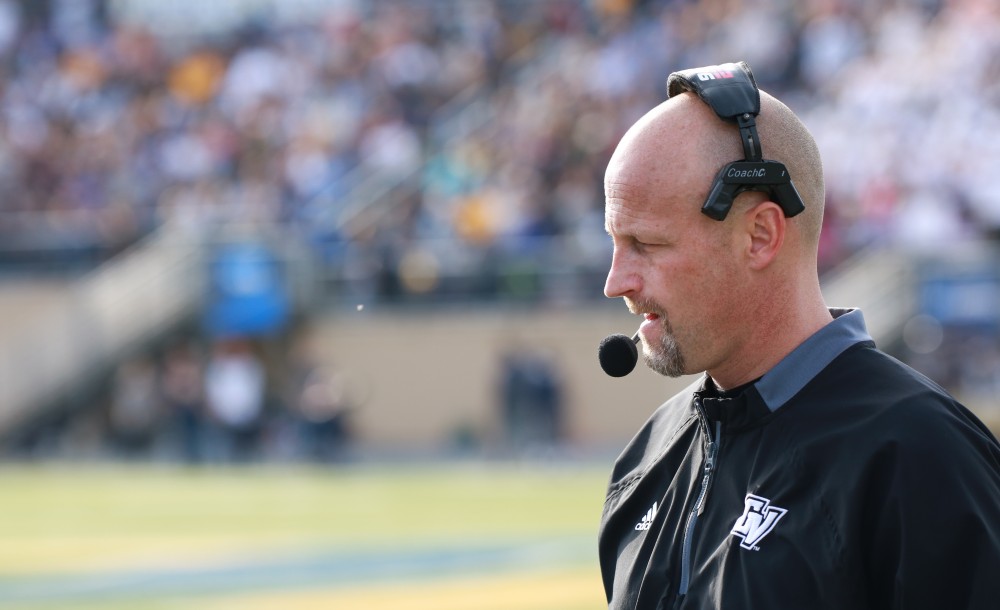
318	404
135	408
530	393
235	392
323	410
183	392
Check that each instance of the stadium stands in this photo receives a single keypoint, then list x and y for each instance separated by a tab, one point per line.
485	124
452	151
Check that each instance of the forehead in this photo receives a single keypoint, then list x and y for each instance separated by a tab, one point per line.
627	205
638	203
655	177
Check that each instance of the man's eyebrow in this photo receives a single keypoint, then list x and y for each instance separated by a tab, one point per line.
607	229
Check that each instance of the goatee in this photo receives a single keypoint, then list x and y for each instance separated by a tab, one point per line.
665	356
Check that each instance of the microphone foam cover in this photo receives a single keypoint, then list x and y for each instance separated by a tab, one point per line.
618	355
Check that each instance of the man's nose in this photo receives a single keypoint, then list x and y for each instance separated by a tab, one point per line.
622	279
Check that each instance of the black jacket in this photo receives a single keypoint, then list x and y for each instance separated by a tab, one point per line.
842	479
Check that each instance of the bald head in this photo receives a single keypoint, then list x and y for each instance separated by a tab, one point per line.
681	144
784	138
731	297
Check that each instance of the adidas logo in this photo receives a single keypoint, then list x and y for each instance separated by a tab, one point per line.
647	519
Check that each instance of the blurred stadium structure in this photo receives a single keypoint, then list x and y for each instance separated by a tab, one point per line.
415	189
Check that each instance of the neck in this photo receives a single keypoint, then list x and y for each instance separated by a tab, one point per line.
782	322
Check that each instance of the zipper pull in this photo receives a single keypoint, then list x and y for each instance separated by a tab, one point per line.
713	448
713	451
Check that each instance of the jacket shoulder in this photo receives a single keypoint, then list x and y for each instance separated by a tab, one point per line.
870	375
887	402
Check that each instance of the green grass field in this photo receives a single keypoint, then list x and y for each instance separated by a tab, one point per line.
466	537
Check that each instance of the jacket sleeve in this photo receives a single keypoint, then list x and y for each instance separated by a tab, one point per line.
933	514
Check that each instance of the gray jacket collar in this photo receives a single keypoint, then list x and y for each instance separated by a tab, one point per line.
795	370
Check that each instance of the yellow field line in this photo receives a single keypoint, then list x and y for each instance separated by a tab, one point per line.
577	589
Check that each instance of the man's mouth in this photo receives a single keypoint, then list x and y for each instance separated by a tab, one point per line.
643	308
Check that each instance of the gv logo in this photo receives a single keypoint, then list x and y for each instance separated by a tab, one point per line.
757	521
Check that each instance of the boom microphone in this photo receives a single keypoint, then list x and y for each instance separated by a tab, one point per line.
618	354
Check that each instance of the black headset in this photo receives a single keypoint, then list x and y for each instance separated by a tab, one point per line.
731	91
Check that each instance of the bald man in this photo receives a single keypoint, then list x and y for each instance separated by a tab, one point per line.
805	469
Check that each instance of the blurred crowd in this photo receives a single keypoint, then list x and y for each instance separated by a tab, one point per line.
208	401
220	401
438	145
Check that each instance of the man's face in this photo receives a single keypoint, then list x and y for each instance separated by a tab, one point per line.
673	266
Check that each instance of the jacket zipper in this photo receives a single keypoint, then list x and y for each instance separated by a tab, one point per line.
711	454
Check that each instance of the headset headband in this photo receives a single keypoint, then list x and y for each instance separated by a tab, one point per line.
731	91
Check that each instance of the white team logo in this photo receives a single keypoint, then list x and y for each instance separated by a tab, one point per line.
647	519
758	519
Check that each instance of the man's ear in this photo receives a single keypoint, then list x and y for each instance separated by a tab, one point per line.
764	225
